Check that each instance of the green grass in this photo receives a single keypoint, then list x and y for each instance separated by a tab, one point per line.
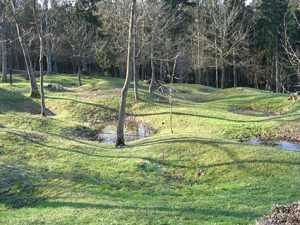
198	175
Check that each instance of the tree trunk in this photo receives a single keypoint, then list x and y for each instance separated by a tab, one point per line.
180	63
134	62
4	59
277	65
34	89
121	66
10	76
161	75
217	74
143	77
256	81
43	105
79	75
39	29
223	75
3	41
48	40
235	80
152	67
15	54
199	77
298	73
120	128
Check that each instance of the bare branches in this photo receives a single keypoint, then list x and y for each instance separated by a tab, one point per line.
292	51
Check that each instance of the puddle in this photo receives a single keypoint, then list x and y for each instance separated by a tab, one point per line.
133	131
283	145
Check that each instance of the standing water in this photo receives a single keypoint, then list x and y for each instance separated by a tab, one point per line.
133	131
284	145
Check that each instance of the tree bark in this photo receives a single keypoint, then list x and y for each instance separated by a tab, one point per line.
39	30
79	75
120	128
43	104
134	62
4	59
161	75
217	74
3	41
180	63
298	73
277	64
48	40
10	76
152	66
223	75
199	77
34	89
121	66
235	80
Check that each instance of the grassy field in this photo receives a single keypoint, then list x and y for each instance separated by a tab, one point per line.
201	174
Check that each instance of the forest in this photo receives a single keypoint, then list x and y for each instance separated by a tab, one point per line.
150	112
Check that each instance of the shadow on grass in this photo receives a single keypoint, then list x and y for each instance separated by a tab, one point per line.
86	103
235	161
16	102
274	118
18	185
206	212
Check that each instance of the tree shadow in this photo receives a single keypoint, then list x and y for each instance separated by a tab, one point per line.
86	103
235	161
269	118
16	102
206	212
18	185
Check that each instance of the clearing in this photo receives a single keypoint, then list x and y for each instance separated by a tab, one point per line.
201	174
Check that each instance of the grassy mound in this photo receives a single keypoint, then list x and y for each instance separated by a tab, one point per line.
198	175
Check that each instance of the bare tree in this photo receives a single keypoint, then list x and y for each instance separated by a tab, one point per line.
120	128
78	37
113	45
230	35
292	50
158	21
48	39
23	43
134	60
41	35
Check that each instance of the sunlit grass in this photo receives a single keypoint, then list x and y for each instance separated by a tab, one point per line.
198	175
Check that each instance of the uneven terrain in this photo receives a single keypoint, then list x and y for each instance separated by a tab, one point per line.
200	174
